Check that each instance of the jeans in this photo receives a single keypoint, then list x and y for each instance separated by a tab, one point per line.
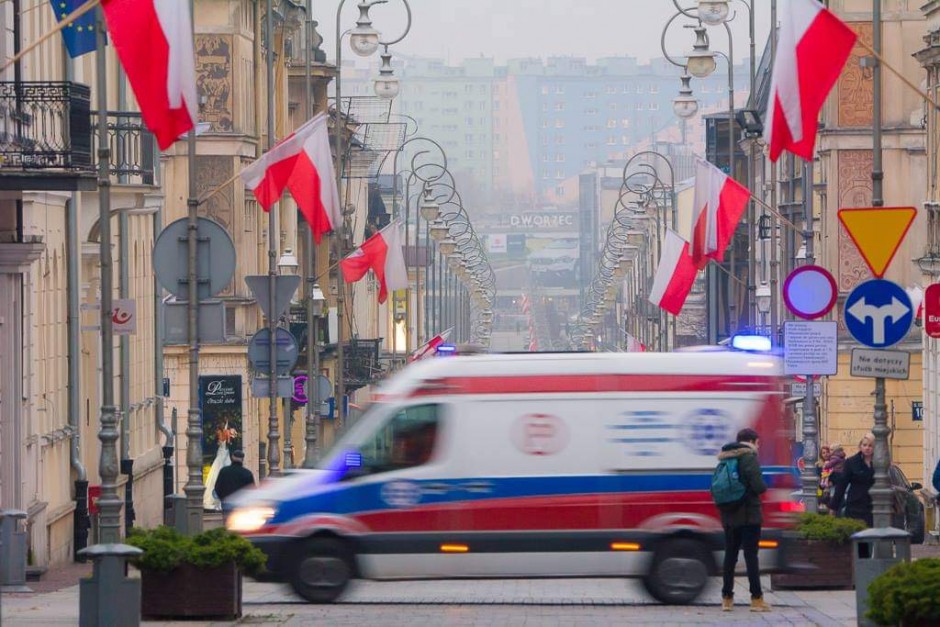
744	537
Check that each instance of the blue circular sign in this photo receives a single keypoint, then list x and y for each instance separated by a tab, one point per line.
878	313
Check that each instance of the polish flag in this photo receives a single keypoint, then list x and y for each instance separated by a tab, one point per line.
383	254
720	202
812	47
303	164
431	345
674	275
154	41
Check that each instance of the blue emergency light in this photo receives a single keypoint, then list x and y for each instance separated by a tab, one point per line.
446	350
751	343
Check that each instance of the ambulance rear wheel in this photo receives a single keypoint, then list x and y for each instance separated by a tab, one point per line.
679	572
323	570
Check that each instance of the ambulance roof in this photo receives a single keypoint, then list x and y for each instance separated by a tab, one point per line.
721	363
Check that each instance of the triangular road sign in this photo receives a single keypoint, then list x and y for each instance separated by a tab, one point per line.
284	287
877	233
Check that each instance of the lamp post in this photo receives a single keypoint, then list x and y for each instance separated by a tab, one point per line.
315	304
364	40
287	264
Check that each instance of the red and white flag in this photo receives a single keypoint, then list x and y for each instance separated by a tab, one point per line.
812	47
154	41
303	164
383	254
720	202
675	274
431	345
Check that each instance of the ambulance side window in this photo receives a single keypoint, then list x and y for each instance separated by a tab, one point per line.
407	439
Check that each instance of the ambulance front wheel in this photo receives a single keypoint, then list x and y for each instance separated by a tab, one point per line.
679	572
322	571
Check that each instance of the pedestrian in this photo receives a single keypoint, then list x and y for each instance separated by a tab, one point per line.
936	478
742	521
233	478
820	464
852	497
830	473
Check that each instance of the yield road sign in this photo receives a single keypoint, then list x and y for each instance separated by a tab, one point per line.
878	313
877	232
286	351
284	287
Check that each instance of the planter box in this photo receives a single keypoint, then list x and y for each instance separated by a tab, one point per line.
817	565
192	592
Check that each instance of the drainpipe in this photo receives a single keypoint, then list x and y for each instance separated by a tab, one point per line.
127	464
80	522
159	409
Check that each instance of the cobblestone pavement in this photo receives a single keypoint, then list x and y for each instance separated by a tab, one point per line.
491	602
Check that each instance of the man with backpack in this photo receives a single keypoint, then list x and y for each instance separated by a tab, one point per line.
736	488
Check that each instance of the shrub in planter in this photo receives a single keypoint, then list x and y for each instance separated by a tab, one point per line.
907	594
820	553
183	576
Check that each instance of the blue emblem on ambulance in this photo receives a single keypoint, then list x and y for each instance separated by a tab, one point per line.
401	493
705	431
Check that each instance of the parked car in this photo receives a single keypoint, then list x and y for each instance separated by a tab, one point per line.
908	508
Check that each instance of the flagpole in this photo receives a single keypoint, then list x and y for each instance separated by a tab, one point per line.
312	423
274	436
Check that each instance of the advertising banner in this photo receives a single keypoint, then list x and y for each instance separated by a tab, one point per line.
220	404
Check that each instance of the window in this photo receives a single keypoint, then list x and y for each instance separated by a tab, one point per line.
468	138
654	89
654	106
559	174
404	441
544	90
611	140
559	89
611	123
559	106
612	106
544	106
640	89
559	123
559	157
470	154
639	106
625	140
559	191
590	95
559	140
546	174
545	157
625	123
544	123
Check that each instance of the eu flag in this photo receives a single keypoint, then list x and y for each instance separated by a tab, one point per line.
80	36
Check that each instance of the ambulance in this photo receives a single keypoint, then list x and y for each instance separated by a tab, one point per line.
531	465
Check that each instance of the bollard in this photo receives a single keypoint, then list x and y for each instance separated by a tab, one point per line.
13	551
109	597
174	512
874	552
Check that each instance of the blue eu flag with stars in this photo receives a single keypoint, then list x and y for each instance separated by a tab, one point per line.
80	36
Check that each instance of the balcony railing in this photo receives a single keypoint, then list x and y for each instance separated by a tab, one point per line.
45	125
134	152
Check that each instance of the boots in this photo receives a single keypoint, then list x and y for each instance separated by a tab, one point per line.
759	605
727	604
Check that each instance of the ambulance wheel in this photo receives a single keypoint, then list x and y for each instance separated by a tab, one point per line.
323	570
679	572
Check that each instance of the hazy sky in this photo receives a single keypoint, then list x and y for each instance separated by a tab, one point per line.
456	29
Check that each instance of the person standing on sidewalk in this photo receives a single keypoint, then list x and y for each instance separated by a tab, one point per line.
742	521
233	478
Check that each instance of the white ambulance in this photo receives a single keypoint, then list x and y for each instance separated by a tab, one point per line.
536	465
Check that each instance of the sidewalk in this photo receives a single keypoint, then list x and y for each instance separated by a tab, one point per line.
544	601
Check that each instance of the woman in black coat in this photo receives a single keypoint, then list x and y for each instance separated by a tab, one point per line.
852	498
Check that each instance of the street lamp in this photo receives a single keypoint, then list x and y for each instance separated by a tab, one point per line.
685	105
429	209
387	85
288	263
700	61
364	39
763	298
713	12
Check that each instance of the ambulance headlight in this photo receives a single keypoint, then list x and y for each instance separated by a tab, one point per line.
248	519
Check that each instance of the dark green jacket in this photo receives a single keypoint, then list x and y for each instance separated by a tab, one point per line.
750	473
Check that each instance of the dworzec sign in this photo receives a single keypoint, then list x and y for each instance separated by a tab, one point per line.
543	220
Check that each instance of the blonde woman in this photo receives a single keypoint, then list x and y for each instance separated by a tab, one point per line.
852	497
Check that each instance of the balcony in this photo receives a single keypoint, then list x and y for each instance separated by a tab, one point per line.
135	157
45	136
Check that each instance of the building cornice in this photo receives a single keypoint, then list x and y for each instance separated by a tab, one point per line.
16	258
